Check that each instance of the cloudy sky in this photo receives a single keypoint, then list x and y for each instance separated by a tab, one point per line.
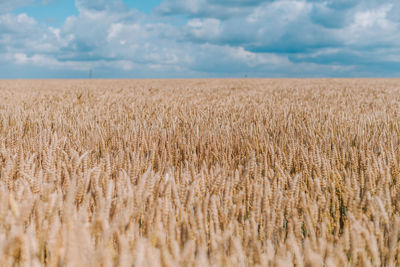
199	38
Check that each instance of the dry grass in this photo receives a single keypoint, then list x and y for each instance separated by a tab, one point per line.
200	172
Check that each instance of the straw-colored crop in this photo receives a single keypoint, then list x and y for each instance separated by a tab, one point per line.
200	173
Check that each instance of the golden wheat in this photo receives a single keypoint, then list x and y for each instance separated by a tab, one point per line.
200	173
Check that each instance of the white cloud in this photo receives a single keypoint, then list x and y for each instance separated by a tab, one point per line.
372	27
20	58
222	37
204	28
24	19
373	17
114	30
280	11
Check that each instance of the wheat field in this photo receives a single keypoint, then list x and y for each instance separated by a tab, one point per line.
245	172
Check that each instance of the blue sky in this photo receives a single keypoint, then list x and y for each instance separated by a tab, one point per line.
199	38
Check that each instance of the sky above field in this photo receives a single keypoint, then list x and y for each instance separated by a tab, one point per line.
199	38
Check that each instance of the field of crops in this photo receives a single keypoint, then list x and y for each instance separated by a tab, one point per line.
200	172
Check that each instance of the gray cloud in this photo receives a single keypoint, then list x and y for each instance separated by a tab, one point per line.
221	9
100	5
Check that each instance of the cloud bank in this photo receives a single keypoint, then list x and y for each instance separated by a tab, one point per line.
204	38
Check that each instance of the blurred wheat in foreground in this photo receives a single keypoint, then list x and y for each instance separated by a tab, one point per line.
200	173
